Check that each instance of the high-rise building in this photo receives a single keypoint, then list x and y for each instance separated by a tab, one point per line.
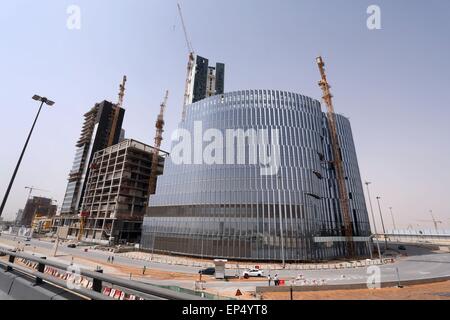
116	196
208	80
19	216
122	135
37	207
102	125
238	209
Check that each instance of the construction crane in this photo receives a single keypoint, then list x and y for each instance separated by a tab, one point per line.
83	216
117	111
337	158
158	139
190	67
31	189
433	219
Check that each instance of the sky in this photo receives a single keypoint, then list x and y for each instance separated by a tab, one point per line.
391	82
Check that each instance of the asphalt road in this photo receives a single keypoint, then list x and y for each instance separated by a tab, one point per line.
421	263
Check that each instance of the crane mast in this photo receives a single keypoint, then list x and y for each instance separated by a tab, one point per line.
337	158
158	139
117	111
83	217
190	66
435	221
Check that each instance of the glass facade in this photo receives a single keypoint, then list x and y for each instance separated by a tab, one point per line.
232	211
207	80
94	136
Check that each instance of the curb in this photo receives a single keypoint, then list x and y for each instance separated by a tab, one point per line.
389	284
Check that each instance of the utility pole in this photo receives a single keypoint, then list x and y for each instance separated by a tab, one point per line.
43	101
382	223
371	208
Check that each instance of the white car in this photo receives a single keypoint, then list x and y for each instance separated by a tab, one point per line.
253	273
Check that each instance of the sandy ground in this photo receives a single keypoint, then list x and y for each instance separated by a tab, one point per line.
416	292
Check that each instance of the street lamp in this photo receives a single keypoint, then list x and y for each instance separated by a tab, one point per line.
43	101
382	223
393	220
373	217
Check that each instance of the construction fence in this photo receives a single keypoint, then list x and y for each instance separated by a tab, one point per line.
202	264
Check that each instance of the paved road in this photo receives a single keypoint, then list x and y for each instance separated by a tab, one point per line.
421	263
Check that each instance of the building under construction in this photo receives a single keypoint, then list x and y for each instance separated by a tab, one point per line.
116	196
36	207
102	127
208	80
311	209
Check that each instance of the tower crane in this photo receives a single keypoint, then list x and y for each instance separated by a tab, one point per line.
158	139
337	159
433	219
83	217
190	66
117	111
31	189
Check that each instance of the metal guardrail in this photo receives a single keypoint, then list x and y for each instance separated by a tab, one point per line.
146	291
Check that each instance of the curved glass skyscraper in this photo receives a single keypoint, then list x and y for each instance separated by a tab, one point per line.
250	177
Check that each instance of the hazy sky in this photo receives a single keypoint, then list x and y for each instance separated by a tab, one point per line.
393	83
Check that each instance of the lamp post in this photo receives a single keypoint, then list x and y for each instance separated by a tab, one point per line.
43	101
393	220
373	217
382	223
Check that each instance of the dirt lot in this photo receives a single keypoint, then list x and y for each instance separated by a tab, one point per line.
432	291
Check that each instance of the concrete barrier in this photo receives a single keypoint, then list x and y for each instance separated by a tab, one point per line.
20	287
6	281
325	287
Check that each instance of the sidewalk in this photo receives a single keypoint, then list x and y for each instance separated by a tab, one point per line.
192	262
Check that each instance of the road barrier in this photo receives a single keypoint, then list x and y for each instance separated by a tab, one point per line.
89	284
